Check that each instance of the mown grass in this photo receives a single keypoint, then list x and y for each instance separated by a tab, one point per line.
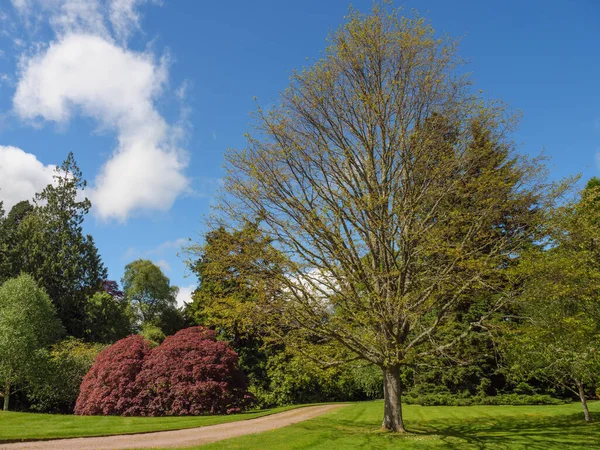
449	427
15	426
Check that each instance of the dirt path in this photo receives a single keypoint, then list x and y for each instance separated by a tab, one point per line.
180	438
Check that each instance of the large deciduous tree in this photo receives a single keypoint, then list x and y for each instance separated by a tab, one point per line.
393	189
28	324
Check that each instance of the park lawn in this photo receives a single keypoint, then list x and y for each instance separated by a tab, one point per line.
460	427
15	426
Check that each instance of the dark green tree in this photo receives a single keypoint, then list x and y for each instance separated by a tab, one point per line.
10	247
108	319
4	263
235	269
49	244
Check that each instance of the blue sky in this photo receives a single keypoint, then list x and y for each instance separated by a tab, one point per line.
149	95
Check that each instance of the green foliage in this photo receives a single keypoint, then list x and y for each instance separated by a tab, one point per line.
237	270
556	334
294	380
152	333
368	379
10	266
151	296
108	319
395	192
28	324
466	399
56	385
48	243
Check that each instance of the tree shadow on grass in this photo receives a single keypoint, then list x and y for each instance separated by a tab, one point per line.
519	432
530	432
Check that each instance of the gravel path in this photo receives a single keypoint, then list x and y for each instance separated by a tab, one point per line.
180	438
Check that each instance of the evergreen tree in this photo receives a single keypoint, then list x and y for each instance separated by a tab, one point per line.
49	244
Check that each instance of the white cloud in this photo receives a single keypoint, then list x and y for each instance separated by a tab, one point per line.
176	244
87	16
160	250
23	6
130	254
124	17
86	74
163	264
64	16
77	16
21	175
185	295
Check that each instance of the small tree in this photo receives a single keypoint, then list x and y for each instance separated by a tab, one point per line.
110	385
151	296
191	373
556	336
28	325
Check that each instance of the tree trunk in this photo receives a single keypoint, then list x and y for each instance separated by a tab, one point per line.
392	412
586	411
6	395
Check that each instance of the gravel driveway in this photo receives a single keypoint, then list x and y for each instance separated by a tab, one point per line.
180	438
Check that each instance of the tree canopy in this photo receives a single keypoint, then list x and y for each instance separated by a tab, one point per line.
556	334
152	298
47	241
28	324
394	190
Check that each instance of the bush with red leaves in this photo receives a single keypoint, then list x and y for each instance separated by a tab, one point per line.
110	385
190	373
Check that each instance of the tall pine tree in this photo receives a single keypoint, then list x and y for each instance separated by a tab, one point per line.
52	247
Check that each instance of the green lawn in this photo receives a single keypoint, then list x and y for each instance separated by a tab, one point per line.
467	427
19	426
352	427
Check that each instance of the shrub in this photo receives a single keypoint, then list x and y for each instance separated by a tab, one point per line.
110	385
294	379
57	384
153	333
465	399
191	373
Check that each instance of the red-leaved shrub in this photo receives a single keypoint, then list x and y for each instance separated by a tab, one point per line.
110	385
191	373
